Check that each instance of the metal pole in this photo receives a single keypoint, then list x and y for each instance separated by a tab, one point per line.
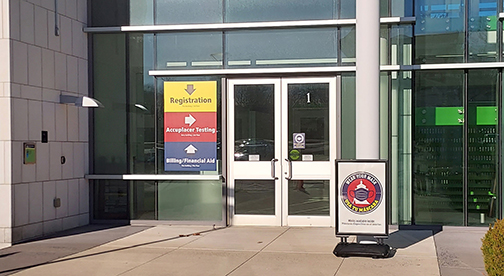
368	79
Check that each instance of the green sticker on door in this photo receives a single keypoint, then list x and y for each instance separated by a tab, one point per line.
294	154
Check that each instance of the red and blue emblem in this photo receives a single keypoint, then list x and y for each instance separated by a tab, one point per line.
361	193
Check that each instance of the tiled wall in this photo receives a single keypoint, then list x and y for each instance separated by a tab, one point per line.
43	66
5	127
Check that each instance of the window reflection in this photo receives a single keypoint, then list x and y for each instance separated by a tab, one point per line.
141	12
348	115
143	200
401	51
309	114
438	148
278	10
308	197
281	48
254	197
347	9
482	192
188	11
110	199
401	131
439	31
142	111
254	122
182	51
483	31
348	53
403	8
189	200
109	67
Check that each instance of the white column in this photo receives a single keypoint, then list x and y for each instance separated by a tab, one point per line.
368	79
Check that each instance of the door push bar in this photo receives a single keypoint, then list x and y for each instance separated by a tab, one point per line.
289	176
273	168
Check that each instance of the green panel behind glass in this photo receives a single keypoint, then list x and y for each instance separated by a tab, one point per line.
491	24
348	116
449	116
453	116
486	115
190	200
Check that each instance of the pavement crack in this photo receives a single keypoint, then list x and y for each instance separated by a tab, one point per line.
337	270
251	257
197	234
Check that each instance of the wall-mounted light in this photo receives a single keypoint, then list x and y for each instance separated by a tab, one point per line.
141	107
80	101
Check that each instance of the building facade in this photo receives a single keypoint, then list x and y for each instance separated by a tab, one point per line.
43	144
233	112
278	74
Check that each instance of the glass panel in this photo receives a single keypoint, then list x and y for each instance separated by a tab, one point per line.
384	8
160	150
142	107
438	148
401	147
278	10
109	86
483	30
308	197
281	48
141	12
110	200
348	46
347	116
402	8
500	160
143	199
254	197
347	9
401	50
188	11
384	113
108	13
180	51
439	31
190	200
254	122
483	153
309	114
384	45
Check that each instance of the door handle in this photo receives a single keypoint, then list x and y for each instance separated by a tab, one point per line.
289	175
273	168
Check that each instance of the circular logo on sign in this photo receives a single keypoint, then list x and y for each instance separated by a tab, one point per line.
361	193
299	138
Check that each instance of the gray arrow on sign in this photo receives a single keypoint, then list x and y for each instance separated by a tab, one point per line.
190	89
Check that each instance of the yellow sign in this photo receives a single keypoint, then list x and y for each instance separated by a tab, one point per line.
197	96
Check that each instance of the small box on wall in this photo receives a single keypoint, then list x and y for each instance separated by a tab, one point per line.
29	151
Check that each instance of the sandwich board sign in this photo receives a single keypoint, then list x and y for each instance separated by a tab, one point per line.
362	197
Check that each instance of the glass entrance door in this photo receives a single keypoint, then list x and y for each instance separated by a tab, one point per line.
283	135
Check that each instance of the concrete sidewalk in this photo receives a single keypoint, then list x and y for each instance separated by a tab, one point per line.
198	250
459	252
34	253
